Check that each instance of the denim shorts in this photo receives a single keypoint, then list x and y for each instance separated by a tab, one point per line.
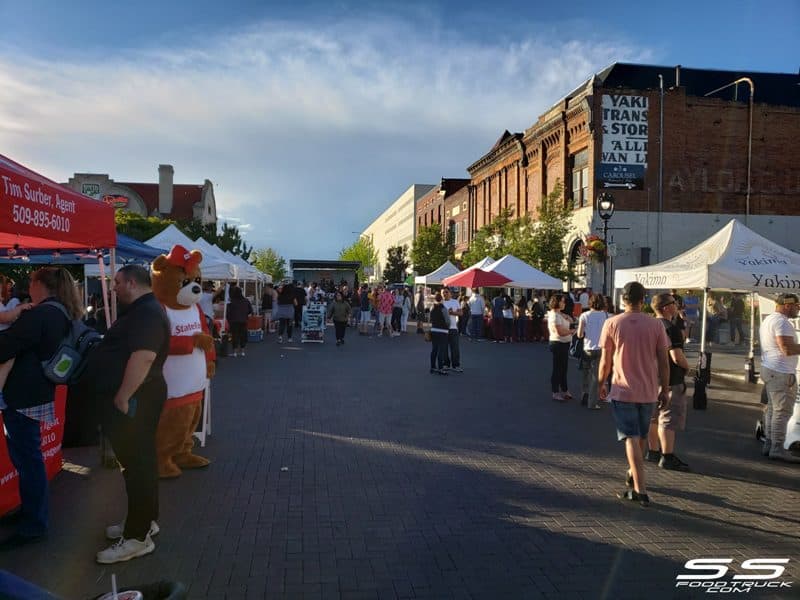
632	418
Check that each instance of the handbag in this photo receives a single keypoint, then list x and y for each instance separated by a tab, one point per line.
576	347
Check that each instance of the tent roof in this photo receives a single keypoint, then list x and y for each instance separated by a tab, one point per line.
212	267
522	275
435	277
482	263
734	258
38	213
245	270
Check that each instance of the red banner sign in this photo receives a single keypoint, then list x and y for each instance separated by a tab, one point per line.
38	213
52	434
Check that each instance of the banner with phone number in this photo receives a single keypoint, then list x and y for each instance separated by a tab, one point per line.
52	434
38	213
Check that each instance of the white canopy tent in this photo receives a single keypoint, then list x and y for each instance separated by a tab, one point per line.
436	277
212	267
481	264
245	271
522	275
735	258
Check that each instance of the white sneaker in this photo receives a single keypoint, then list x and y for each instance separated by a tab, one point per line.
123	550
241	353
235	354
114	532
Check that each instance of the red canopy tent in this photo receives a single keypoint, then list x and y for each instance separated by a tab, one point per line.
37	213
475	278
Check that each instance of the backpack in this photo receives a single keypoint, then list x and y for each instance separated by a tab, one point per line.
70	358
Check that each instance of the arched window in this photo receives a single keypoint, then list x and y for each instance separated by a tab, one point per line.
577	265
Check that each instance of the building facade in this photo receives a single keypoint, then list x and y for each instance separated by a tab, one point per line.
446	205
180	202
396	226
723	157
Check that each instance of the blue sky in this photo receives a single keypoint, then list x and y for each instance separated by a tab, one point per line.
312	117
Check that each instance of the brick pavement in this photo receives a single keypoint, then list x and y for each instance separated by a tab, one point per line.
401	484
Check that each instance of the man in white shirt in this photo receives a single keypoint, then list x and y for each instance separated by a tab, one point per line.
452	307
583	299
779	350
477	305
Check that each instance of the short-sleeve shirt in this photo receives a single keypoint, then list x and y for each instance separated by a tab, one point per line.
385	303
141	326
676	372
451	305
634	338
592	326
498	304
776	325
554	318
364	300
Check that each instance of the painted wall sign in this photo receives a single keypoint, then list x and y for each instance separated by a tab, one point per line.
624	152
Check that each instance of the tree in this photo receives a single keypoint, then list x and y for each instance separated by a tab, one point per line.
540	243
396	264
230	240
492	239
139	227
552	227
363	251
197	229
430	249
269	261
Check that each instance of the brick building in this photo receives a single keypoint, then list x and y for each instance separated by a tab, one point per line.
447	205
605	136
181	202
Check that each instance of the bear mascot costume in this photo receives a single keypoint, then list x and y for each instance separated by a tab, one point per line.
177	284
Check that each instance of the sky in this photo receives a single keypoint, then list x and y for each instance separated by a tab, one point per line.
311	118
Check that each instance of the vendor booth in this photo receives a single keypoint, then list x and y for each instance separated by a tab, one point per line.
523	275
735	258
437	277
39	214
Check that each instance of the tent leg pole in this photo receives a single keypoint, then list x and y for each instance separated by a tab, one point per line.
113	293
703	329
750	363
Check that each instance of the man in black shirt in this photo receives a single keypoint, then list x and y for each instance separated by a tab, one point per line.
125	372
671	418
300	296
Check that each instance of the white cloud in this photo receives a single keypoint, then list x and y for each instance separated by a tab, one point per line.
309	132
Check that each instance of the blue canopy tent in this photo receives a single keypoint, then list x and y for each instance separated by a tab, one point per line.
128	250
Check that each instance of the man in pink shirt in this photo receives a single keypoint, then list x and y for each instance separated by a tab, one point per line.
385	305
636	346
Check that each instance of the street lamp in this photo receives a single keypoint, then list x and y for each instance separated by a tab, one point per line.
752	85
605	208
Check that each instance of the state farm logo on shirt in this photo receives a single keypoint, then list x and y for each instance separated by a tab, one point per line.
184	329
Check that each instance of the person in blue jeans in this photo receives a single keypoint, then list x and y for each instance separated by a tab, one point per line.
28	398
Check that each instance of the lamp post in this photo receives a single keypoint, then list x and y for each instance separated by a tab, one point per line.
752	85
605	208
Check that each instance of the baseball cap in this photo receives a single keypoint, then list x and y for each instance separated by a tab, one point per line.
786	298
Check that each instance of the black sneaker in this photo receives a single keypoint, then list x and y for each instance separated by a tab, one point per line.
585	400
672	463
634	496
653	455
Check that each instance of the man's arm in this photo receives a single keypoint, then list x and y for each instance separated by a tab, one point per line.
787	345
136	370
603	372
662	355
679	358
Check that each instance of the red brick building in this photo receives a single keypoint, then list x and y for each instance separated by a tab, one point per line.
182	202
447	205
605	136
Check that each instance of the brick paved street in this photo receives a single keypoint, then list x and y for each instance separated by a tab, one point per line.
402	484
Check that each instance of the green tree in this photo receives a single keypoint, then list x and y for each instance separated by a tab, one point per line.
493	239
363	251
430	249
230	240
197	229
548	233
397	264
269	261
139	227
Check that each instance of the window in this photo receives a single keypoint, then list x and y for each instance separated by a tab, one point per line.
580	179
